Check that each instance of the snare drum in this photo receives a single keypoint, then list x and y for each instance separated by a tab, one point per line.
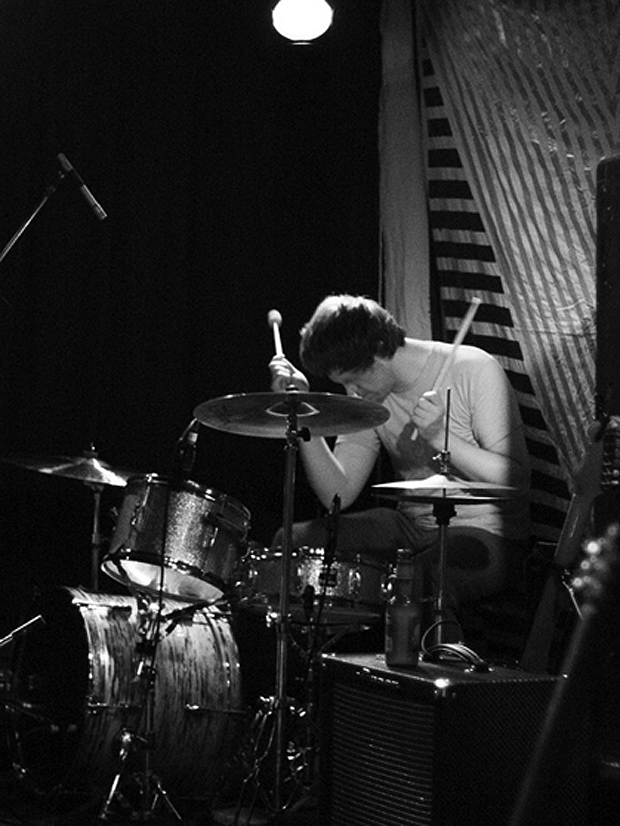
75	690
204	535
353	590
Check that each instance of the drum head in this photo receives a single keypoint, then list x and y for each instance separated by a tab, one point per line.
77	691
142	571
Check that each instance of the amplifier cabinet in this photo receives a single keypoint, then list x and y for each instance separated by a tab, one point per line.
439	744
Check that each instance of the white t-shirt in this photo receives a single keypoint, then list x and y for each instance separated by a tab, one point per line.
483	410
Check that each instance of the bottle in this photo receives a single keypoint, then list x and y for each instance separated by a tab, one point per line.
403	614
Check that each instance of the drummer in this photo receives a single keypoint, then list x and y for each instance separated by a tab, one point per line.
357	344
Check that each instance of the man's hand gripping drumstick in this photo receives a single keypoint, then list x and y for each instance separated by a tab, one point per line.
284	375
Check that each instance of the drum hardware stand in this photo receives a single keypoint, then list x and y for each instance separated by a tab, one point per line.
96	543
283	620
150	788
150	619
443	511
288	722
313	622
270	726
328	560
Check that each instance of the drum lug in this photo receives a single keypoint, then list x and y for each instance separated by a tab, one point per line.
196	710
95	707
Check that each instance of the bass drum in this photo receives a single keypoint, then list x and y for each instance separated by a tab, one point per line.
76	690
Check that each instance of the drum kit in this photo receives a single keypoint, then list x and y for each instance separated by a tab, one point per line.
106	672
109	687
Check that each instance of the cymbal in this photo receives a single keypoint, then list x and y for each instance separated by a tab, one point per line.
449	498
266	414
441	485
88	468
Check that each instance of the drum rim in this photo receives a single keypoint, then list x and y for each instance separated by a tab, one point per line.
70	776
134	555
205	492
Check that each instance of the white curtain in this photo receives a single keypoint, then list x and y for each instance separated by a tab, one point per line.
518	102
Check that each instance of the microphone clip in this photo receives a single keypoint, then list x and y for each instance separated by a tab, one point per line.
187	448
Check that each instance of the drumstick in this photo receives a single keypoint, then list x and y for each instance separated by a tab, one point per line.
469	317
274	320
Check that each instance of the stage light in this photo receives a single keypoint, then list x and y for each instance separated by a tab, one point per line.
302	21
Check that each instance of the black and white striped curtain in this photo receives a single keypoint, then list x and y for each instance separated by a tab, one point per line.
512	104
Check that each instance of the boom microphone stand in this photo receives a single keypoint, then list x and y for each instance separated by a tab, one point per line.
67	170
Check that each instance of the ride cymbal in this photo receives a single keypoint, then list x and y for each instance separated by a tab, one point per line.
446	486
266	414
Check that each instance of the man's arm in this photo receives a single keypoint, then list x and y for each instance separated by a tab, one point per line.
343	471
499	455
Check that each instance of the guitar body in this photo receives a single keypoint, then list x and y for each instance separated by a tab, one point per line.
536	654
578	711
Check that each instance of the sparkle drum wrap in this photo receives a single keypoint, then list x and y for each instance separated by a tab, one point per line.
204	532
353	589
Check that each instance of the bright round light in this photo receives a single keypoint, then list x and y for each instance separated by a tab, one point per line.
302	20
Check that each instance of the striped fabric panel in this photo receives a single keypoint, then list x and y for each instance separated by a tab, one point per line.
464	265
531	90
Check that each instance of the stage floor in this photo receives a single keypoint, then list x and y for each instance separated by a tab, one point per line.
19	807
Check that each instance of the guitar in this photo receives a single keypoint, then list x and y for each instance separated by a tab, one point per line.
597	472
576	700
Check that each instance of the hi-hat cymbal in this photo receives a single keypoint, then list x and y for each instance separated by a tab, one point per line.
87	468
443	485
266	414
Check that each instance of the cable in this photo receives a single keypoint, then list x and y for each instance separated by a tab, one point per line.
450	652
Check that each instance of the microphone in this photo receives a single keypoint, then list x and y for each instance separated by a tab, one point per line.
189	440
87	194
274	319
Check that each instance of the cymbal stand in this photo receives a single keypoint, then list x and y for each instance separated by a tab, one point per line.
276	717
443	511
96	543
95	540
282	621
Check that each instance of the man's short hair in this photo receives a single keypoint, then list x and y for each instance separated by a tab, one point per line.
346	333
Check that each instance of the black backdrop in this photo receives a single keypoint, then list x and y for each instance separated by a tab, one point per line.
239	174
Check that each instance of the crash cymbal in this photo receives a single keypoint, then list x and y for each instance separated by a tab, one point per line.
441	485
266	414
87	468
